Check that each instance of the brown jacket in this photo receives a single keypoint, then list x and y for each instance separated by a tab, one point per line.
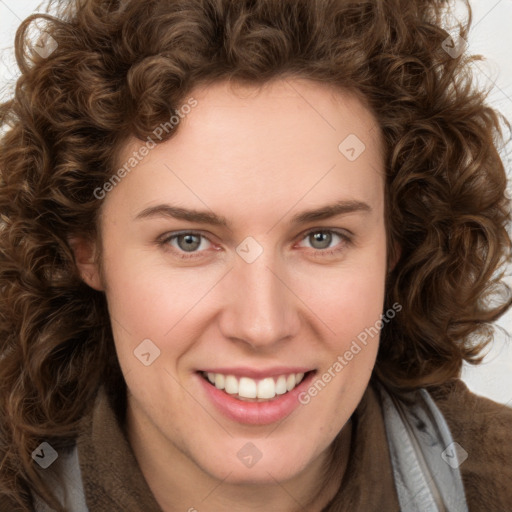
484	429
113	481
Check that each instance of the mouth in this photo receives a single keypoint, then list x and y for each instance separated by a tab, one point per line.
255	397
248	389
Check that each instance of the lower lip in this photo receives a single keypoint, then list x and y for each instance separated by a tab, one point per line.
256	413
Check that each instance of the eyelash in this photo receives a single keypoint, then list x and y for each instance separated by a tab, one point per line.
320	253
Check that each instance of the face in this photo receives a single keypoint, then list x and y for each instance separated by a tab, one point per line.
215	264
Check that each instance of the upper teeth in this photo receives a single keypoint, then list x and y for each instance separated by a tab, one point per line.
250	388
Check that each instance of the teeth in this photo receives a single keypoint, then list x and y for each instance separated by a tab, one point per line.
290	382
219	381
246	387
281	385
266	388
231	385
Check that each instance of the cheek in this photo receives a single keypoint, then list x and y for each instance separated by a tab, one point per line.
150	300
347	300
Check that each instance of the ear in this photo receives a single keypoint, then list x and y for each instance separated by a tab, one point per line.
87	262
397	252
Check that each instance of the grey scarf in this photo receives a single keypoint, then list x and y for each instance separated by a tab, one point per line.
424	458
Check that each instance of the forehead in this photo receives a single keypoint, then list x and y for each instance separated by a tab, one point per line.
286	141
279	115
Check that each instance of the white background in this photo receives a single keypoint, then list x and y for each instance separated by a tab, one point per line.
491	36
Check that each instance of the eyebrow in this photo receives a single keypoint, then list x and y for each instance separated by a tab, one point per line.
204	217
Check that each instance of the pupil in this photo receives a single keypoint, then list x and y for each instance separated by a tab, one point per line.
190	244
324	239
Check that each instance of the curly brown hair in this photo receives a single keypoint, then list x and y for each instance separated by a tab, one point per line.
120	69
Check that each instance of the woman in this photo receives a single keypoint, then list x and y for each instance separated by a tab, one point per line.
246	247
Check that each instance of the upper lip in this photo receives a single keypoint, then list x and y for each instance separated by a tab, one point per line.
254	373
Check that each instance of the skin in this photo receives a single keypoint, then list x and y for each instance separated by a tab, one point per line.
256	156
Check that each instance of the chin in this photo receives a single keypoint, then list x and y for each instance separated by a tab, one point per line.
266	470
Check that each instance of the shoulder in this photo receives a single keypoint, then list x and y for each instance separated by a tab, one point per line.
483	429
7	503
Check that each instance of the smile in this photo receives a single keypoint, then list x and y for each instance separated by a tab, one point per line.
255	397
248	389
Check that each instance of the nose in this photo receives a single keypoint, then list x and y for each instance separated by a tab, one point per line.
261	309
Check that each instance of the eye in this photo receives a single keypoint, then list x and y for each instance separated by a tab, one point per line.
322	241
191	244
186	244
